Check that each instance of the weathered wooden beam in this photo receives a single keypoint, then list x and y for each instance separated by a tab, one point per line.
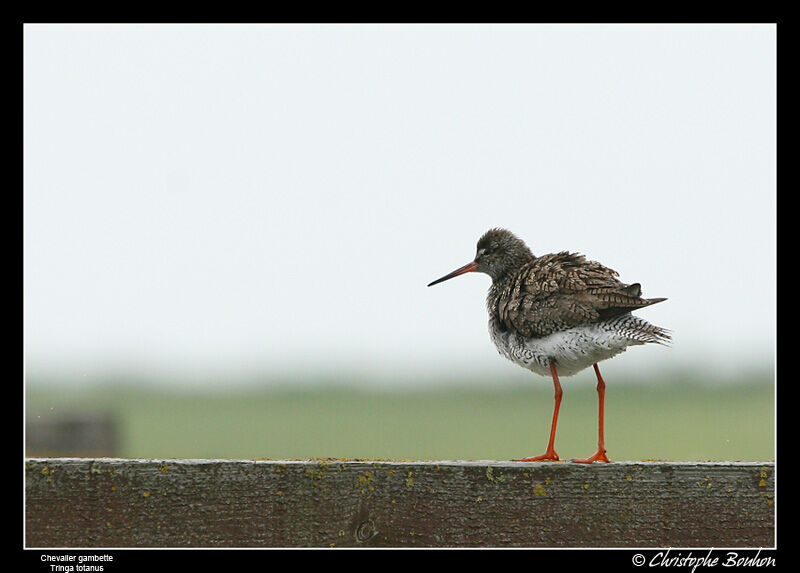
326	503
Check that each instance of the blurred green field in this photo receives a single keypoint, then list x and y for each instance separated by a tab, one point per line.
668	421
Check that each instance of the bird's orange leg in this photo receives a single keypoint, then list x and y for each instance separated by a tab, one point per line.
550	453
600	454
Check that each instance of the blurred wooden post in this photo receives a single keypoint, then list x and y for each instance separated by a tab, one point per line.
235	503
76	433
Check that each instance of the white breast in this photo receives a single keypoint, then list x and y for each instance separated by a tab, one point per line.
572	350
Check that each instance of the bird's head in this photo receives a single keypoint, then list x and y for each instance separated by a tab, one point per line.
499	251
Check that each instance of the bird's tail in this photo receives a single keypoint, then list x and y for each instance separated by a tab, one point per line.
639	330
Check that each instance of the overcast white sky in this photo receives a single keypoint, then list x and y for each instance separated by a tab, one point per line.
210	200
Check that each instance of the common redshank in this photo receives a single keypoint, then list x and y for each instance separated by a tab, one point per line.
557	315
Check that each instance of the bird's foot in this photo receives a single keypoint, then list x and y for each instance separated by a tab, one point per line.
598	456
549	455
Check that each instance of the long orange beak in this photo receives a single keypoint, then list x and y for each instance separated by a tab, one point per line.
468	268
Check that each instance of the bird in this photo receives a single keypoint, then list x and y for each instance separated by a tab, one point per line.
558	314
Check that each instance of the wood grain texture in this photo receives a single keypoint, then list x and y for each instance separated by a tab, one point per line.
110	502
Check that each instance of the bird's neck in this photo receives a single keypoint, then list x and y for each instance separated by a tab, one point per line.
511	270
503	284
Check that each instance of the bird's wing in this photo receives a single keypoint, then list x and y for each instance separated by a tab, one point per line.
564	290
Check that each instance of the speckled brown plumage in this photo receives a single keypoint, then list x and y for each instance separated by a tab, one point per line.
537	296
561	291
